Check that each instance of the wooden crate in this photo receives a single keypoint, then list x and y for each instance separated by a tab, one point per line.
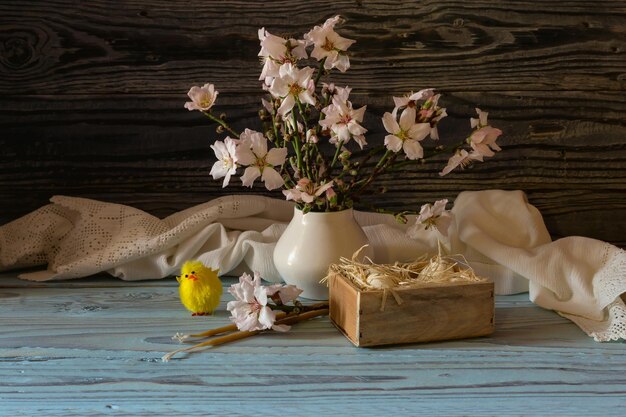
437	312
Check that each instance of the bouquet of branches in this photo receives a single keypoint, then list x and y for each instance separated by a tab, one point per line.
313	144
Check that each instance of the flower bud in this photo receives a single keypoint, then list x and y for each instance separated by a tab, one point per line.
401	218
311	137
219	129
331	196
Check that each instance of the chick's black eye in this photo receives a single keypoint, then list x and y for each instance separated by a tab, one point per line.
186	276
193	272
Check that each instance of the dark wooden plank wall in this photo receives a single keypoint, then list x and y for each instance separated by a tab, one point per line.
92	96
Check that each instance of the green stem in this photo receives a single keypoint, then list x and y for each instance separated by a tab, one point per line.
221	123
289	182
273	113
296	143
302	116
432	152
382	210
337	152
383	159
385	162
370	154
321	117
320	70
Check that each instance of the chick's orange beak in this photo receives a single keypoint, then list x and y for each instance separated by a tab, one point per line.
192	278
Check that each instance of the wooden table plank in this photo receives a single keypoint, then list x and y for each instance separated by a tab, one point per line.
93	347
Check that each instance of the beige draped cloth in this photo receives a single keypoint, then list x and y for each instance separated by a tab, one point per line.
501	235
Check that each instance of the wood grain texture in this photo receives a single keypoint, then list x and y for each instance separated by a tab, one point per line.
93	347
426	314
92	94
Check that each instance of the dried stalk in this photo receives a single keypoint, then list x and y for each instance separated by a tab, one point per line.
290	319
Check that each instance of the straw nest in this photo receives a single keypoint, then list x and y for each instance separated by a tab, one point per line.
369	276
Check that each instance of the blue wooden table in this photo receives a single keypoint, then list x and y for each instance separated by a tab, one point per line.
93	347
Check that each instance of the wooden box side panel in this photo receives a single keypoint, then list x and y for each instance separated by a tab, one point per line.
427	314
344	307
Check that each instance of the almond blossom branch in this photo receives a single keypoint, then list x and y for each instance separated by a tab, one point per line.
221	123
385	162
314	179
296	145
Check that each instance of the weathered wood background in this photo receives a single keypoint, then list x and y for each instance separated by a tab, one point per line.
92	96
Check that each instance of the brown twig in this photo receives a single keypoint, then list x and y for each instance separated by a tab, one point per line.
289	319
225	329
232	327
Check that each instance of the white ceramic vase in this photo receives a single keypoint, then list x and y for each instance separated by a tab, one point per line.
311	243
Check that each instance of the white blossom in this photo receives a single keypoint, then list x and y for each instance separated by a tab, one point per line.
306	191
253	153
406	135
276	51
249	311
226	164
293	84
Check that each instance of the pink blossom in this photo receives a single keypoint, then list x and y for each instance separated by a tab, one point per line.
425	103
249	311
482	119
483	139
328	44
277	51
286	293
311	136
460	158
342	93
432	215
411	100
202	98
267	105
306	191
431	113
330	195
344	121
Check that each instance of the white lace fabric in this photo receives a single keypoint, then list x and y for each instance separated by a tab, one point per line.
503	237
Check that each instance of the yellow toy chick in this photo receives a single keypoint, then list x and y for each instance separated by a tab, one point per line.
200	289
